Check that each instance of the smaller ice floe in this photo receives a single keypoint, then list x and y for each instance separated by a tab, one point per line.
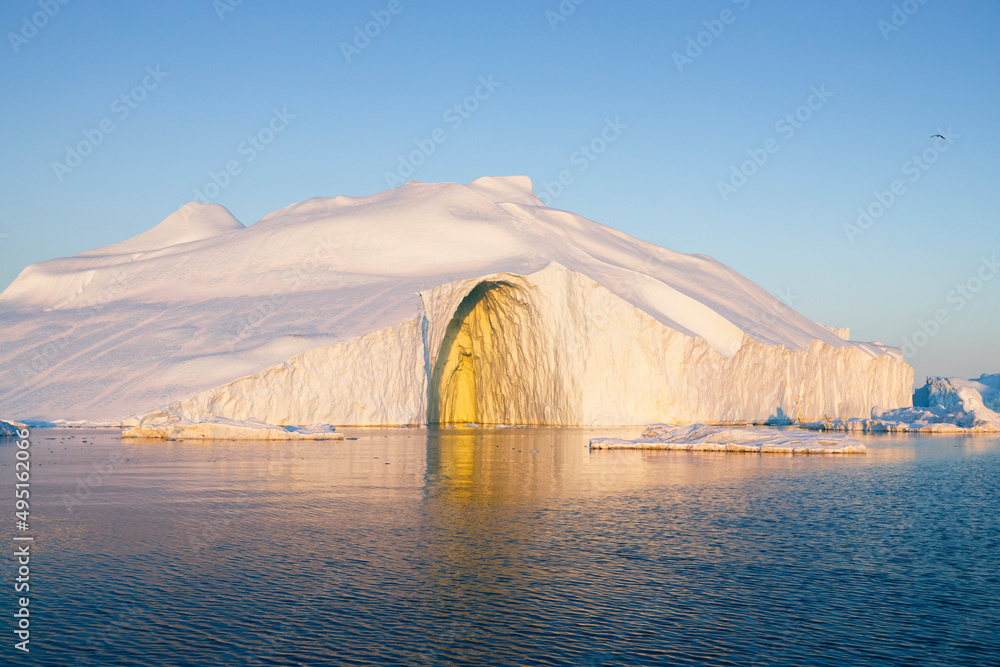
81	423
10	428
943	405
229	429
701	437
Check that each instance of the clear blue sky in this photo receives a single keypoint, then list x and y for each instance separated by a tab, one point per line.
885	88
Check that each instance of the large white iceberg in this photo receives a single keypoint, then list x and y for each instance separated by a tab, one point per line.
942	405
431	302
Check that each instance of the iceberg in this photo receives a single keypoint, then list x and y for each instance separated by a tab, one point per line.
428	303
230	429
8	428
706	438
942	405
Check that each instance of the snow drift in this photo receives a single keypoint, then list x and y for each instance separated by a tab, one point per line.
428	303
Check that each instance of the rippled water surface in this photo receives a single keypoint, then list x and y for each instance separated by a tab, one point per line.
506	547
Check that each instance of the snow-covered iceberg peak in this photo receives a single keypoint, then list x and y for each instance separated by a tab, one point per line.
94	277
192	222
513	189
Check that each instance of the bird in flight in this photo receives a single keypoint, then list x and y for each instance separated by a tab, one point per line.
937	135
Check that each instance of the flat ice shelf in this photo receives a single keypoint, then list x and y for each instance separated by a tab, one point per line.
701	437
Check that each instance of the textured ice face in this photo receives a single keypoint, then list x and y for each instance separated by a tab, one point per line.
552	347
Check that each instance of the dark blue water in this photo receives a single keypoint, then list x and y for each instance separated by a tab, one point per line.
405	547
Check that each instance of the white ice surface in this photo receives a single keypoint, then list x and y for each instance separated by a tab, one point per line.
229	429
334	310
701	437
942	405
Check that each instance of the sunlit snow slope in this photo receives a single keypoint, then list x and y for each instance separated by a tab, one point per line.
429	302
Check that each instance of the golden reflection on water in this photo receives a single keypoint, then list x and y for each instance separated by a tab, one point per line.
474	482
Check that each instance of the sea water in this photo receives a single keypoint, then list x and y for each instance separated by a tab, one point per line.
473	546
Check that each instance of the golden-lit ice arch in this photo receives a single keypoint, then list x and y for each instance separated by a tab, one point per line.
492	367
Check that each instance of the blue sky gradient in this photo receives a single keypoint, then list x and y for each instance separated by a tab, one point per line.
558	73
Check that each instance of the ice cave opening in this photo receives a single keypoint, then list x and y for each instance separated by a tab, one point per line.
495	364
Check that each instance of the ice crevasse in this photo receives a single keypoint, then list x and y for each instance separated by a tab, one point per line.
428	303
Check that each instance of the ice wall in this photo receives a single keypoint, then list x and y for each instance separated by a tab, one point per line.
552	347
373	379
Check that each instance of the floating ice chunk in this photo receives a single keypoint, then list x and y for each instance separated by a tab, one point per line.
701	437
230	429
